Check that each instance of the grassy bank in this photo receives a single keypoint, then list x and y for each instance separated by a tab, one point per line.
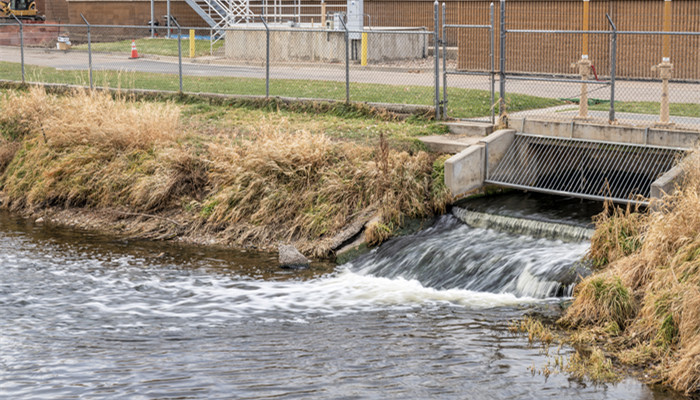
464	103
238	176
640	309
155	46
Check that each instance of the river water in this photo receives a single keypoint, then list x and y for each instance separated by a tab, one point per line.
84	316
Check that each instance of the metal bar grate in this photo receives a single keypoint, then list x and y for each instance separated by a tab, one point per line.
597	170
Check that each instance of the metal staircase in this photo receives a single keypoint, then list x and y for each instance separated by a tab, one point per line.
219	14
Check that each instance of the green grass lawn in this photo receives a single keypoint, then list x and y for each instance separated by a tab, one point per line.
464	103
155	46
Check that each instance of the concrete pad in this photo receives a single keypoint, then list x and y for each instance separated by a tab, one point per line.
449	144
470	128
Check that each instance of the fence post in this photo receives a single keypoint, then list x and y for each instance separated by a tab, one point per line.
89	40
347	61
502	74
167	6
152	22
267	57
444	62
179	52
492	32
436	56
613	66
21	43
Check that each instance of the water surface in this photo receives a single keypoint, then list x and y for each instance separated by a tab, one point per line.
83	316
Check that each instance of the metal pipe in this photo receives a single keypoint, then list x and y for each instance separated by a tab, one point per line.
151	22
347	61
21	43
467	26
168	22
613	67
492	32
444	62
525	78
502	77
267	57
179	52
568	194
436	56
89	50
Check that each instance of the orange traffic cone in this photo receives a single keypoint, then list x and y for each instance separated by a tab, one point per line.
134	52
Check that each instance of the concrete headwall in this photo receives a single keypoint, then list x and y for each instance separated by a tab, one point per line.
610	133
466	171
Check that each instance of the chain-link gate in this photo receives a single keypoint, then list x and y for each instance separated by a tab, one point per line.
470	69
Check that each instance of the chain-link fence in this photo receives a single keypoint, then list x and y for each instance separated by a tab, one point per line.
390	66
647	75
481	61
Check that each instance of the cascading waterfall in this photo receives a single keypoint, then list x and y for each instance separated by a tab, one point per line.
490	253
522	226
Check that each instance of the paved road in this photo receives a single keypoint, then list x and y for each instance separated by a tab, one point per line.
77	60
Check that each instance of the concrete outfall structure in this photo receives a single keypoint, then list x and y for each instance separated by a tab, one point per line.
468	170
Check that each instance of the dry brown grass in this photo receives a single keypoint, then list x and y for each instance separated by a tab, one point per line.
272	184
7	153
91	117
291	186
653	261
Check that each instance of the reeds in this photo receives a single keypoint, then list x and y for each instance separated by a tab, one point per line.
649	284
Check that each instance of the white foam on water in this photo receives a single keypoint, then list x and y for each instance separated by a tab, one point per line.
335	294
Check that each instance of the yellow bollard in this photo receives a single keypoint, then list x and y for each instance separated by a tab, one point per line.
363	61
191	43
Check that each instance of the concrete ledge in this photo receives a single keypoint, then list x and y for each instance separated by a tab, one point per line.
604	132
470	128
447	143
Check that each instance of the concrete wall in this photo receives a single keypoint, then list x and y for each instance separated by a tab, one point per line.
666	184
466	171
308	45
611	133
